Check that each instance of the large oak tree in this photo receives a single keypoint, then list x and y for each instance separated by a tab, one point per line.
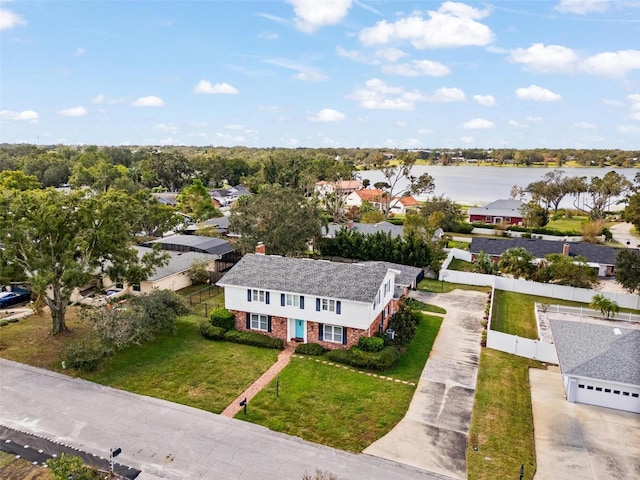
62	241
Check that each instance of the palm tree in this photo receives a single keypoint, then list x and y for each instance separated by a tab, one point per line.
483	263
517	262
606	306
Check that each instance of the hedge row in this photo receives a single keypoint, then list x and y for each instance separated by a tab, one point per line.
382	360
213	332
310	349
536	230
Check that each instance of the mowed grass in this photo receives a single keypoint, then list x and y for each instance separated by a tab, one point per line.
337	405
502	419
186	368
461	265
513	312
436	286
330	405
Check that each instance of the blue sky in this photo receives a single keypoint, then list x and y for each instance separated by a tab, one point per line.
322	73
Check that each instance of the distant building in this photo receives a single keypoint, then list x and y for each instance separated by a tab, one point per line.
500	211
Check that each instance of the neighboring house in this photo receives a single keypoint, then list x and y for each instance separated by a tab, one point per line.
224	197
330	303
500	211
371	195
344	186
403	205
167	198
409	276
223	251
600	364
221	224
173	276
598	256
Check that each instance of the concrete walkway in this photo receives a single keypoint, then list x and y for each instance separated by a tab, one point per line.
580	441
170	441
284	357
433	433
621	233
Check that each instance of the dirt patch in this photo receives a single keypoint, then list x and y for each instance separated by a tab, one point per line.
12	468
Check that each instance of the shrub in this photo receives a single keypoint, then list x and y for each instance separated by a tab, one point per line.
310	349
68	466
403	322
355	357
4	323
370	344
255	339
462	227
162	308
221	317
85	354
212	332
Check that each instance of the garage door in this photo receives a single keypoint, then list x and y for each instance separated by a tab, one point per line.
607	395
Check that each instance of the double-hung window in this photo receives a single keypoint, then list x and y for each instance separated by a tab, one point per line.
292	300
257	295
333	333
328	305
259	322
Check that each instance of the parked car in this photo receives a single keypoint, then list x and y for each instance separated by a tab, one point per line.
15	297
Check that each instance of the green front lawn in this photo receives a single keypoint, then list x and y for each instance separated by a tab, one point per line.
502	419
330	405
436	286
186	368
338	406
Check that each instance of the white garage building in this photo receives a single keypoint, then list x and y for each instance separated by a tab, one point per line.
600	364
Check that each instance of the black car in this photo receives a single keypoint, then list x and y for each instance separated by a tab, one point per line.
15	297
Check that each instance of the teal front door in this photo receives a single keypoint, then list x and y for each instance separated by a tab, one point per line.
299	328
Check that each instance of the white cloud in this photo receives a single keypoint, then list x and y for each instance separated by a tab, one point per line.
425	131
205	86
628	129
165	127
355	56
310	76
467	139
477	124
533	119
634	98
377	95
24	116
100	98
485	100
635	116
8	19
73	112
452	25
585	125
150	101
268	35
79	52
515	123
612	103
417	68
612	64
446	94
327	115
401	123
545	58
582	7
390	54
539	94
311	14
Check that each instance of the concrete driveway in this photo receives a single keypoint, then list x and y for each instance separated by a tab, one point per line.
576	441
433	433
170	441
621	232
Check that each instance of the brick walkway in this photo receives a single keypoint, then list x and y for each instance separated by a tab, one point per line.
283	360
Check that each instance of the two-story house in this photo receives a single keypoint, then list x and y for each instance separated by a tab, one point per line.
305	300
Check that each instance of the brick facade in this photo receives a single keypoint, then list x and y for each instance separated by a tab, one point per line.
279	328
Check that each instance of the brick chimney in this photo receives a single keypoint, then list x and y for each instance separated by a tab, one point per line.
261	249
565	250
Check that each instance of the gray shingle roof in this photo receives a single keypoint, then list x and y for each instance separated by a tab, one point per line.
321	278
499	208
196	243
595	351
408	274
539	248
178	262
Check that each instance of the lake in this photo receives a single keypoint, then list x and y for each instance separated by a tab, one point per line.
476	185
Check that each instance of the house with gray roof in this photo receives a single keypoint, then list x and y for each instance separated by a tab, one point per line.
600	364
305	300
365	228
500	211
601	257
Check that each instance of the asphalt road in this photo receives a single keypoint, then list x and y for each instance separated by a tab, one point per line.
167	440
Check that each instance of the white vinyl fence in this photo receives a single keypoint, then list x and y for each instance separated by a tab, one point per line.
522	347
